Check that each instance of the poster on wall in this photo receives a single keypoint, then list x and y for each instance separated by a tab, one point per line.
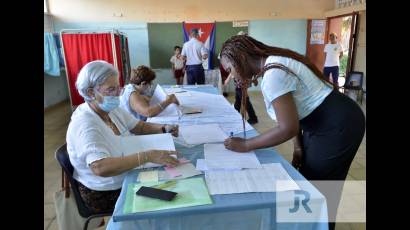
317	33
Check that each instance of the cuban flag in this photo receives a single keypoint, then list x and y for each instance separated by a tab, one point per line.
206	36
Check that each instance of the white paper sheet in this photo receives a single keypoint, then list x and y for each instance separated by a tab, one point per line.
201	134
218	157
159	96
250	180
134	144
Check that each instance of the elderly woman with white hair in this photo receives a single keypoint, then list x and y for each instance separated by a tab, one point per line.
92	137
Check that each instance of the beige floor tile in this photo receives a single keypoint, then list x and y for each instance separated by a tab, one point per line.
358	174
358	226
49	211
53	225
47	223
342	226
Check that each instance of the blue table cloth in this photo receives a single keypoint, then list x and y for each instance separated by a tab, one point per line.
230	211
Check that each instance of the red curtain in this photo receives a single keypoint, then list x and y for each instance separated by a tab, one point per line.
79	49
119	57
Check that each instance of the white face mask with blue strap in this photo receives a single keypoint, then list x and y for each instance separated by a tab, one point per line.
109	102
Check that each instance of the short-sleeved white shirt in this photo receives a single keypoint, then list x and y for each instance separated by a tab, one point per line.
89	139
178	62
193	50
332	54
307	90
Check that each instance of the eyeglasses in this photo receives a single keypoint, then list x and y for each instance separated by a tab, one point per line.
113	91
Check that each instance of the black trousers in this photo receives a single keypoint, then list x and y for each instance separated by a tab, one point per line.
332	134
195	74
249	107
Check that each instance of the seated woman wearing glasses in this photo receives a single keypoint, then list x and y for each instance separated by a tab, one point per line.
92	138
135	98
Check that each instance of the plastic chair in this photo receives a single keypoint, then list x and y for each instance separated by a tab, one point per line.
62	157
354	82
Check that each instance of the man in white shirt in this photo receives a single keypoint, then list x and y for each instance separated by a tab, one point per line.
333	52
194	52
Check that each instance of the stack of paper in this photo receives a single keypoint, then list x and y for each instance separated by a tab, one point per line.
191	192
215	109
270	178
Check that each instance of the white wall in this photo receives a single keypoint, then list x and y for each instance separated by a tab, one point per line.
55	88
186	10
360	59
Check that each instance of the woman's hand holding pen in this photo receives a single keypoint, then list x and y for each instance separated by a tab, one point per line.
236	144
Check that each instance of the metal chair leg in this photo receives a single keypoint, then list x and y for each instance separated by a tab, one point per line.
95	216
87	222
361	97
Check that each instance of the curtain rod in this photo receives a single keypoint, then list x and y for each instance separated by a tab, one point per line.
90	31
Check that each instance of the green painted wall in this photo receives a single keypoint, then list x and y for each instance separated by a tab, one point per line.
224	31
162	37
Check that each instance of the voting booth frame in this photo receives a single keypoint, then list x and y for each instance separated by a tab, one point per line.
81	46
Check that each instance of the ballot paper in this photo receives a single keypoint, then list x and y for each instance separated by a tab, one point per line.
250	180
201	134
135	144
218	157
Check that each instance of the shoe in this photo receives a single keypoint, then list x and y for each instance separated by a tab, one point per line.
253	121
225	94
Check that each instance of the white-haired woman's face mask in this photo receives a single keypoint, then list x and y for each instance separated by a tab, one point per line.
107	94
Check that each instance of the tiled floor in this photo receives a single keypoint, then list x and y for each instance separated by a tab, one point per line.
56	121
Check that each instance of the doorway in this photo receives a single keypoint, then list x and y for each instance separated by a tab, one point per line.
345	27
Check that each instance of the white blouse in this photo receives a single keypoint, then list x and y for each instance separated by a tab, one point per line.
89	139
307	90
